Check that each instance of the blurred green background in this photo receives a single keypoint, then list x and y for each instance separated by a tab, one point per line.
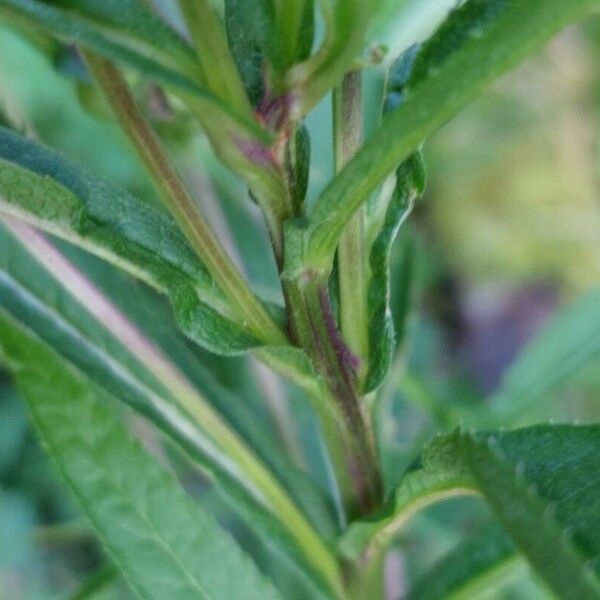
507	234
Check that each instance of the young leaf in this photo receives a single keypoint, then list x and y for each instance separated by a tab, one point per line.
410	184
566	345
249	25
91	333
295	26
480	41
542	484
346	24
126	31
166	546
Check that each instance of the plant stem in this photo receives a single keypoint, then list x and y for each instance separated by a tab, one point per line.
181	205
352	263
346	432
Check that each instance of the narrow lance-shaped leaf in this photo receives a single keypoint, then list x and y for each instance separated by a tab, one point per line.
124	30
542	484
91	333
266	37
220	74
249	25
409	185
480	41
167	546
42	188
45	189
127	32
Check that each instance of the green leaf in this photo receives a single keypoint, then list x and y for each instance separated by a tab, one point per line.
478	565
166	546
564	347
346	24
43	188
91	333
125	31
105	576
250	26
266	38
409	185
298	166
541	483
295	23
480	41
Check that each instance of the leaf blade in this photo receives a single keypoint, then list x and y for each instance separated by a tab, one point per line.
91	333
541	482
127	32
457	75
157	537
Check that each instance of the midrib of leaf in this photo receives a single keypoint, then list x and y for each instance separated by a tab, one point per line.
212	436
480	563
522	28
78	404
50	447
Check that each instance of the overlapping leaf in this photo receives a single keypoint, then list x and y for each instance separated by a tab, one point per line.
542	483
47	190
479	42
125	31
117	357
166	546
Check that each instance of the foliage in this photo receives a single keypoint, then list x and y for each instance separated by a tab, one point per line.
121	315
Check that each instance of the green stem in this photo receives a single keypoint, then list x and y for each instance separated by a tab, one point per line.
182	206
352	263
346	431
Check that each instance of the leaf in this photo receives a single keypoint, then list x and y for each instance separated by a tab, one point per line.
483	563
250	26
346	24
105	576
40	186
166	546
298	167
266	38
480	41
566	345
409	185
125	31
91	333
295	31
542	483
